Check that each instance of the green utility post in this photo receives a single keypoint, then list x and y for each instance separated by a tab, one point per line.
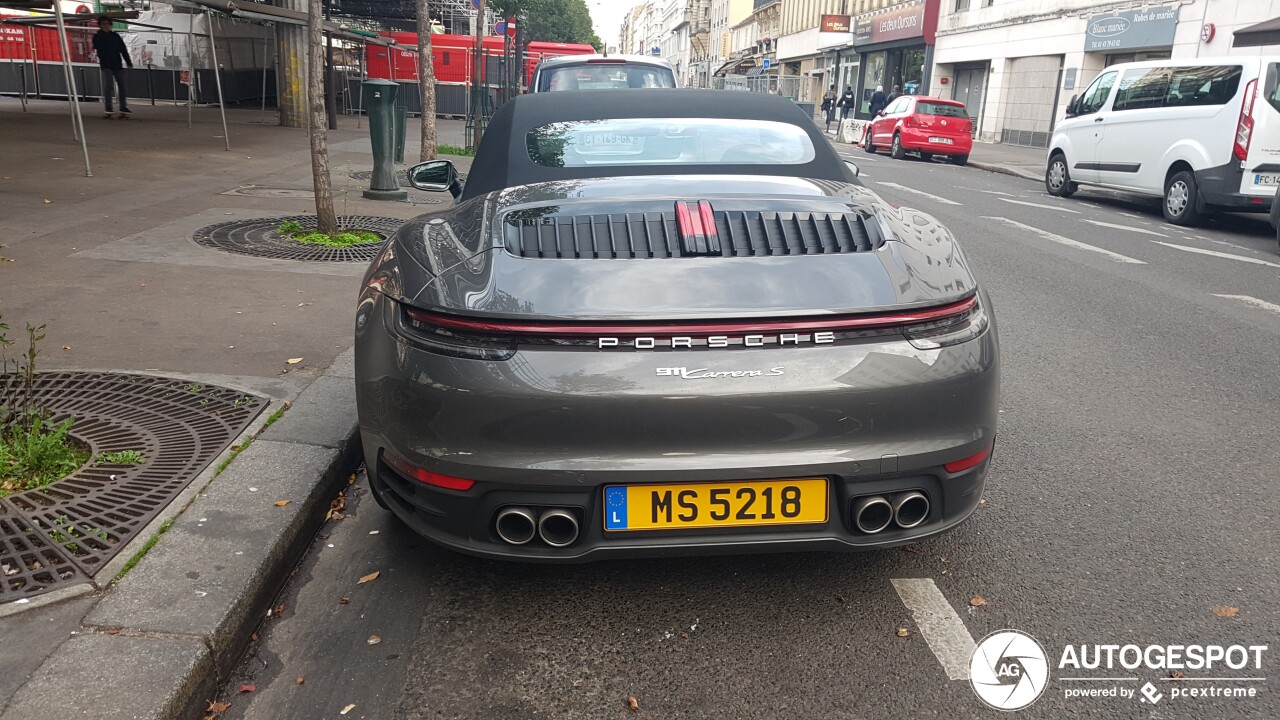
402	123
380	101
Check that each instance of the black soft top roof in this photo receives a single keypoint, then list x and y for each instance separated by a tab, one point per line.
503	161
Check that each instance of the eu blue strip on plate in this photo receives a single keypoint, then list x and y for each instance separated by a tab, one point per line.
615	508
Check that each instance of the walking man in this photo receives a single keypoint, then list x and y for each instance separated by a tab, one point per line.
829	106
846	102
112	57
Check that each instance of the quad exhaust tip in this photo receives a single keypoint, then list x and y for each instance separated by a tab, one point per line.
558	528
872	514
516	525
910	509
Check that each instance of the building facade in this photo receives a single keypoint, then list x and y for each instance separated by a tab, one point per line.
1016	64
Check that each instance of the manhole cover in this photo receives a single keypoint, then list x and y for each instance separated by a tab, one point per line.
270	192
258	237
63	533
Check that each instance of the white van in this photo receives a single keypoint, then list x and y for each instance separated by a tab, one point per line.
1204	134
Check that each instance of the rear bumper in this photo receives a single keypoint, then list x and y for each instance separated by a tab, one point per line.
464	521
1219	188
915	139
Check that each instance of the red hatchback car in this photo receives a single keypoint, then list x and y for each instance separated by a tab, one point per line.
927	125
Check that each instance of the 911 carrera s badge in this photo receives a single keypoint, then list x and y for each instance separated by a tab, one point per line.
705	374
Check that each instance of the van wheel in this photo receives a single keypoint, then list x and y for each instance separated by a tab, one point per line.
896	151
867	145
1057	178
1180	199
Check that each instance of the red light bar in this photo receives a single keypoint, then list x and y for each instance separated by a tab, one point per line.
966	463
695	328
426	477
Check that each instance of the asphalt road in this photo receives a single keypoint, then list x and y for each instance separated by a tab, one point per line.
1133	491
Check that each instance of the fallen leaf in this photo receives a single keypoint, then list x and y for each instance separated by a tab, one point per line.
983	501
217	707
978	601
351	480
344	601
66	347
248	687
299	681
348	709
47	201
254	637
1176	675
282	503
633	703
1223	611
294	361
280	609
903	632
374	639
370	577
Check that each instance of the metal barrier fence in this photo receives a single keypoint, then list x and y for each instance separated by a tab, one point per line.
47	79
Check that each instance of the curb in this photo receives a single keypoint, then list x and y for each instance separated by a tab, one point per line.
161	642
1004	170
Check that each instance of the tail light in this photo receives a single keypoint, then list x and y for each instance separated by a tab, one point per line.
424	329
965	463
950	330
1244	128
911	121
426	477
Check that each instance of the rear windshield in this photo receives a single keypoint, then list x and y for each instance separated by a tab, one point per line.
941	109
665	141
606	76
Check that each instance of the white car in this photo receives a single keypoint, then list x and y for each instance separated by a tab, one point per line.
1203	134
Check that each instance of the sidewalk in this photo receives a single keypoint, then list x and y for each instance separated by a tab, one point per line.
1028	163
108	264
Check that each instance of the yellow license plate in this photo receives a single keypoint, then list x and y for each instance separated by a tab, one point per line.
716	504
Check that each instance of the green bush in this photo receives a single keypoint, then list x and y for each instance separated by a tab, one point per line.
344	239
454	150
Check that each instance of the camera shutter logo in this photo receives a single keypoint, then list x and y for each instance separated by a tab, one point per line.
1009	670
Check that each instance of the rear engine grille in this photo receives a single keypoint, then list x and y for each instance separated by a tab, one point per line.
655	235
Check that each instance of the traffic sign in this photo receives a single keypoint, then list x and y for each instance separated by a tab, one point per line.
766	63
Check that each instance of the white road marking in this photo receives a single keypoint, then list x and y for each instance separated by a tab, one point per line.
1253	301
1215	253
921	193
997	192
1130	228
1038	205
1135	217
943	631
1068	241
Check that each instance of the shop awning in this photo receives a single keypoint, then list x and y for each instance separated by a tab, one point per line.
1264	33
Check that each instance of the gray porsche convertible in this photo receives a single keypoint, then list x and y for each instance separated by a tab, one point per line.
669	322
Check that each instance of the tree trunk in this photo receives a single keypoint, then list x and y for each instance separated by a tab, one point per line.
426	82
326	218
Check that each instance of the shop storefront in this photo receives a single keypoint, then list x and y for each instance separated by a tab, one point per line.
895	47
1133	35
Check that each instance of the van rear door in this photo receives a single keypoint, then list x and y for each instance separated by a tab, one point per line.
1259	129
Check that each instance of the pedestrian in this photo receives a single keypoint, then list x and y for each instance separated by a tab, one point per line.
878	101
829	106
846	102
897	90
111	52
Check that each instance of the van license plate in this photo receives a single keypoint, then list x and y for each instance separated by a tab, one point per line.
1266	179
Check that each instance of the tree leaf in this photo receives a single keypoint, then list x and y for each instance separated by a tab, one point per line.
978	601
903	632
369	578
374	639
294	361
633	703
217	707
282	503
348	709
300	680
248	687
1223	611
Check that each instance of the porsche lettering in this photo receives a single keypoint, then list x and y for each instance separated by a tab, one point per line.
717	341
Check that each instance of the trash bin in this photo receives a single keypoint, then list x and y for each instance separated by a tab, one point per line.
380	102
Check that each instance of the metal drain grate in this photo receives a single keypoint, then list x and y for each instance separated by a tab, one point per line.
258	237
65	532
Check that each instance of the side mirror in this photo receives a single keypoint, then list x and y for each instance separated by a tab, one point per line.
853	168
435	176
1073	106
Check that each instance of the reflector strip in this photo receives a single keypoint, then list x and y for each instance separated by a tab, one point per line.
426	476
697	329
962	465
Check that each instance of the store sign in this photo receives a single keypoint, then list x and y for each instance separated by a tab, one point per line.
1132	29
836	23
901	23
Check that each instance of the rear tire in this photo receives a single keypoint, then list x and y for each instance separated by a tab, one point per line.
960	159
1057	178
867	145
896	151
1181	199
